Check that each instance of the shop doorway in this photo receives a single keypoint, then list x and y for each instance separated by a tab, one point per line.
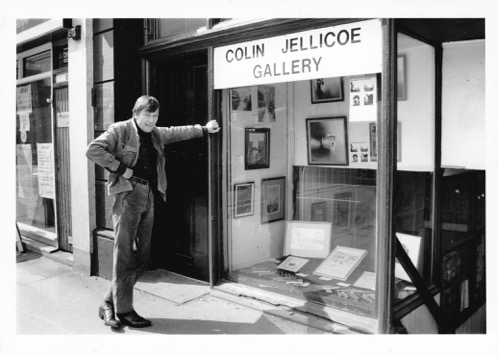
180	235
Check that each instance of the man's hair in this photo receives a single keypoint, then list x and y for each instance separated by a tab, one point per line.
147	102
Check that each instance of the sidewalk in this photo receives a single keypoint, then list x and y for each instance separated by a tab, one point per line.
54	299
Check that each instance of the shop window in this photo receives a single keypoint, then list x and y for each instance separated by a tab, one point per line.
37	64
302	190
35	182
415	160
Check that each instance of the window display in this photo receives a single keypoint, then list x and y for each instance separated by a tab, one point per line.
303	217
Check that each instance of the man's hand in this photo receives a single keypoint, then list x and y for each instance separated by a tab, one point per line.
128	173
212	126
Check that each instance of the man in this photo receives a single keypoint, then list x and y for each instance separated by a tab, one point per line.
132	151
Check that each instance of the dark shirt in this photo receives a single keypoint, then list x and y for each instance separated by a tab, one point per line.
146	167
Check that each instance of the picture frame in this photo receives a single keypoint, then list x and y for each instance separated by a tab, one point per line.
307	239
243	195
402	84
412	245
341	262
327	90
257	148
292	264
342	213
266	103
272	199
327	140
241	99
319	211
372	131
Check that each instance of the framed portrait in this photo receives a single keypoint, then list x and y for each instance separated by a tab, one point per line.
327	140
307	239
402	92
327	90
257	148
373	142
272	199
243	195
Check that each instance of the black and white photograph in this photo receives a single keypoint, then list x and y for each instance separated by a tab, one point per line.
241	99
243	199
327	140
266	103
327	90
272	199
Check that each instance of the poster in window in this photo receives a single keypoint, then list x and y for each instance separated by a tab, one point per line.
327	140
363	99
244	199
272	199
241	99
373	142
46	173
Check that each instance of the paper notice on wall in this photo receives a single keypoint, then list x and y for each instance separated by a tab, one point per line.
46	174
24	165
24	122
363	99
24	100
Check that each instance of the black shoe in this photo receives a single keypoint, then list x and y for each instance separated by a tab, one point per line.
134	320
106	313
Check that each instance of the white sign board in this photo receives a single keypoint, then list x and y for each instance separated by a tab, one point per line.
349	49
24	100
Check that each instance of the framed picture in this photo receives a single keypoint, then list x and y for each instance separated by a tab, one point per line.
266	103
373	141
243	199
307	239
257	148
411	244
402	92
272	199
319	211
241	99
292	264
327	140
341	216
341	262
326	90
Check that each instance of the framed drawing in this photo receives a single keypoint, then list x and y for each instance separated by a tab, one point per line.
341	216
307	239
319	211
272	199
373	142
257	148
292	264
327	90
243	195
411	244
341	262
327	140
402	92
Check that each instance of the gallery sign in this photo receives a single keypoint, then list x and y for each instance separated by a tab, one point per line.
350	49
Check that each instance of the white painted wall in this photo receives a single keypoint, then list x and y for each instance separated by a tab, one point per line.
463	130
81	132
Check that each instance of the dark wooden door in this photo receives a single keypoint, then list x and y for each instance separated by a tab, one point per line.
180	237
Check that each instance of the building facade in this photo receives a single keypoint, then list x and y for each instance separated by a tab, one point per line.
340	184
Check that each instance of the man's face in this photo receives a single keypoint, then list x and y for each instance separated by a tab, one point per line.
147	120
